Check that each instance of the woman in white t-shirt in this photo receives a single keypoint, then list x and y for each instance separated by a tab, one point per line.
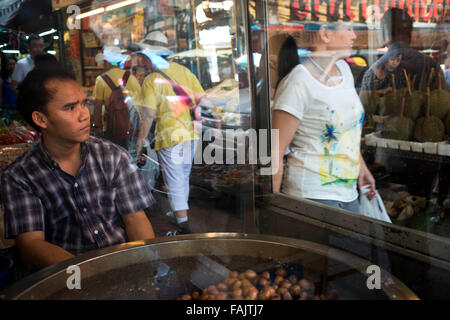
319	117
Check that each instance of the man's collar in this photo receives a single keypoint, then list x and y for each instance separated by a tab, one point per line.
52	163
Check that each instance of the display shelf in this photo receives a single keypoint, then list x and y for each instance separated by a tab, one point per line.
413	155
431	150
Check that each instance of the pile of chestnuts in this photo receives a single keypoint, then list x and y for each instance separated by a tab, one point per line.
249	285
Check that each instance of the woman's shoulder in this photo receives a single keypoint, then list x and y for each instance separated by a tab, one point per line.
343	65
298	74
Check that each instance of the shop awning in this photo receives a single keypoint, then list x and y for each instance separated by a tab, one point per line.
13	40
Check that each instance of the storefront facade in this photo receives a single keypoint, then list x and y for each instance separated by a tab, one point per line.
232	48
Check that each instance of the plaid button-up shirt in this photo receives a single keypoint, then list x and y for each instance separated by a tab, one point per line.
76	213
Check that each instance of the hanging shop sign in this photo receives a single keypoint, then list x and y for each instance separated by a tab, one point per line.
365	10
58	4
8	10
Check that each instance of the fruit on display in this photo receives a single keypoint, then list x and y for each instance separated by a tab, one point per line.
370	100
249	285
405	205
429	128
414	104
447	123
9	154
389	103
400	93
399	127
439	101
414	100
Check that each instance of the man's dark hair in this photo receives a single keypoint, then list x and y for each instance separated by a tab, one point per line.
44	60
397	26
34	94
288	58
33	37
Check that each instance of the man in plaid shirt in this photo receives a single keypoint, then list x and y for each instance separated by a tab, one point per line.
72	193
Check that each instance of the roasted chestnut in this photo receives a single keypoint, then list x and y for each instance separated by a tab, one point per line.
237	293
280	272
286	296
281	291
212	289
204	296
222	296
295	290
285	284
251	293
246	283
266	293
229	282
196	295
278	280
263	282
293	279
265	275
236	284
222	286
305	284
250	274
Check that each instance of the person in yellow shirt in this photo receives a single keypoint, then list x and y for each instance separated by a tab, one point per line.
111	59
175	138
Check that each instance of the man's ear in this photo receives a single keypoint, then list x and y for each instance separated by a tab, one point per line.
39	119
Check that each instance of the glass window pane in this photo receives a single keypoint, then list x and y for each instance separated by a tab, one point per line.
365	77
184	102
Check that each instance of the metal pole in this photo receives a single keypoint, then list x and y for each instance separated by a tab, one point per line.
248	189
60	28
196	39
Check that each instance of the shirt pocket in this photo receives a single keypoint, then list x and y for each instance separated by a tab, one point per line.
58	220
106	204
105	198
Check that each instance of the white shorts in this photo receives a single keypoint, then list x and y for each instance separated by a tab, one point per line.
176	164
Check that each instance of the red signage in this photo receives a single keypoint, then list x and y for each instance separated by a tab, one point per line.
361	10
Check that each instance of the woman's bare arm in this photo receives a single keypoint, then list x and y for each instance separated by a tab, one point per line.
286	124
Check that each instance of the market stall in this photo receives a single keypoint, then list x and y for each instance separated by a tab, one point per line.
213	266
227	45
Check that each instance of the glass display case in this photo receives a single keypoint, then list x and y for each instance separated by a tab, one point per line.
227	265
233	49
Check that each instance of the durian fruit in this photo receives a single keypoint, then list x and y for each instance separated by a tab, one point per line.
414	100
414	104
401	92
390	102
429	128
447	123
399	127
370	101
440	101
